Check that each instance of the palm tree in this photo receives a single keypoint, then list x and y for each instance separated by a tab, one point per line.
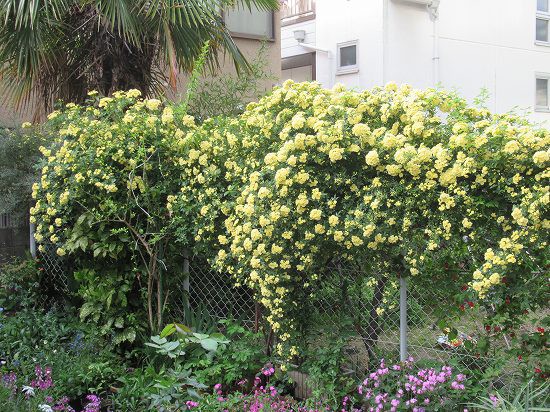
60	49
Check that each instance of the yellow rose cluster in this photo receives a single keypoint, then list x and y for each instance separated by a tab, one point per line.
406	180
392	176
101	175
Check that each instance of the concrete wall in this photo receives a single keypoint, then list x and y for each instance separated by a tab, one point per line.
482	44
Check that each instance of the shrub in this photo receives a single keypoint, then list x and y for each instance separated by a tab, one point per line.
406	181
19	160
241	359
80	360
103	195
19	284
404	387
38	394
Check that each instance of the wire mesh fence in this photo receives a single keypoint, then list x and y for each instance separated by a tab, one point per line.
212	291
366	309
363	307
56	272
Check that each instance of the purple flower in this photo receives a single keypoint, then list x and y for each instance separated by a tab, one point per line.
93	405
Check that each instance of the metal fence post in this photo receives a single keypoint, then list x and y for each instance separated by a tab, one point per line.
186	281
402	319
32	240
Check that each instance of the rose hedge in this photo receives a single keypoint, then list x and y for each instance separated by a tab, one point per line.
403	179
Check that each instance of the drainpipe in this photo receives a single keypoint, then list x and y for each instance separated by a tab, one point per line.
329	57
385	41
433	9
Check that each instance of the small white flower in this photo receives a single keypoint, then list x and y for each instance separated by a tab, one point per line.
28	390
45	408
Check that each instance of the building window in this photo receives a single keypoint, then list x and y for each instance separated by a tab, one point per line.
347	57
543	22
251	23
542	97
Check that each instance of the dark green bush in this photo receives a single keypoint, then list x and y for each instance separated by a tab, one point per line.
19	284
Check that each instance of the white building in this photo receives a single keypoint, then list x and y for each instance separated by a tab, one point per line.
502	46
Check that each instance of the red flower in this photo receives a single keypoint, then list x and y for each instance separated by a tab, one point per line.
507	300
540	330
488	328
461	307
497	329
471	304
538	370
464	287
520	358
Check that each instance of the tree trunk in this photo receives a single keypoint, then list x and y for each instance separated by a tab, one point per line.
370	333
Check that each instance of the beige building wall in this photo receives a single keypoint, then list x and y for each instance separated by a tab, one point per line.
250	47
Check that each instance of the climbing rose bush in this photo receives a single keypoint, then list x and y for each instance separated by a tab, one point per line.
103	197
402	179
405	181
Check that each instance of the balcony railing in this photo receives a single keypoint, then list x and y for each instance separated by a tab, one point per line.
293	11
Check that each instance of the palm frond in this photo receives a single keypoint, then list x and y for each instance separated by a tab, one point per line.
58	49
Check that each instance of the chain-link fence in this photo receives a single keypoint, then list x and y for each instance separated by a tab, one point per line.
56	272
212	292
364	308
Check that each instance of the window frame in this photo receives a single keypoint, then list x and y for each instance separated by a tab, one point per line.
543	76
239	35
542	15
351	68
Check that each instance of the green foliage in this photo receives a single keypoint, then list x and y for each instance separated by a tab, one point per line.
327	368
378	176
19	159
198	319
227	94
188	347
529	398
108	303
132	389
173	388
106	202
410	183
20	285
169	379
80	359
241	358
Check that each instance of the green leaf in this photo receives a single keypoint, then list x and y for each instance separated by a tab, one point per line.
86	310
168	330
209	344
